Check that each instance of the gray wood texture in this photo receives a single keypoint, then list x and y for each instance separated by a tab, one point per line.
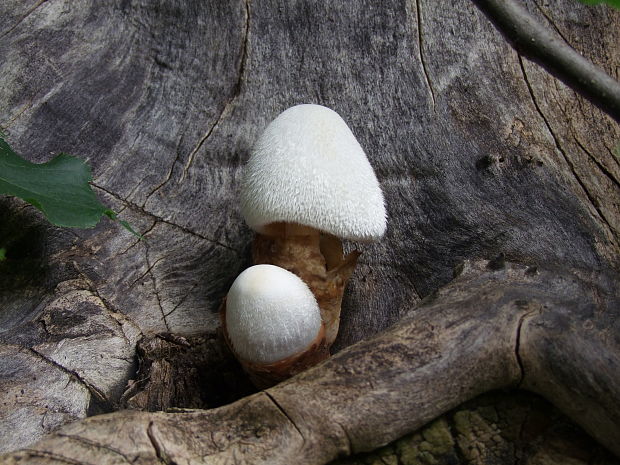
481	332
479	153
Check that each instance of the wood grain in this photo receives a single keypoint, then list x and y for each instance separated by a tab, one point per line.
473	336
479	153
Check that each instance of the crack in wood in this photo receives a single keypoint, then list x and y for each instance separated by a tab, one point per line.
236	90
170	171
95	392
159	219
49	455
94	444
155	290
160	450
148	270
137	241
421	51
23	18
602	167
283	412
112	313
519	333
187	294
590	197
223	114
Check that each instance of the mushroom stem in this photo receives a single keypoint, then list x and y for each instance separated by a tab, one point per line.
315	257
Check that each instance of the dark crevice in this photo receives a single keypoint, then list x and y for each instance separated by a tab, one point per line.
95	445
602	167
177	159
522	432
103	404
187	294
160	451
518	346
279	407
138	241
155	290
421	52
108	307
198	146
556	141
50	456
236	89
148	270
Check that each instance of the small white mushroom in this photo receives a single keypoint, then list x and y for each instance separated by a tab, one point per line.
307	185
273	324
270	314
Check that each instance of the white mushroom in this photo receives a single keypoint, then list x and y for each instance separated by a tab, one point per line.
270	314
306	185
307	168
273	324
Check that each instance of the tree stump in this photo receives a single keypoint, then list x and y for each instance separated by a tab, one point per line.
499	268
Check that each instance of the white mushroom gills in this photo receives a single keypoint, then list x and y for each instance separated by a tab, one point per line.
308	168
270	315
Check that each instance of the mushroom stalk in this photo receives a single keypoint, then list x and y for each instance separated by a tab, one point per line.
317	258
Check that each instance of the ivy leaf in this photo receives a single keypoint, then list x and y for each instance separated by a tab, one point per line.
614	3
2	254
59	188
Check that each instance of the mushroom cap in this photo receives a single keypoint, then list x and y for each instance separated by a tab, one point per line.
308	168
270	314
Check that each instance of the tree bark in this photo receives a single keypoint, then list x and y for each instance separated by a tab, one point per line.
484	159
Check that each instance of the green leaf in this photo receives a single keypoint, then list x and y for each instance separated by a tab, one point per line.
614	3
2	254
59	188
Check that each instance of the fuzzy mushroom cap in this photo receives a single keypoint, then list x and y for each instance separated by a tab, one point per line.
308	168
270	314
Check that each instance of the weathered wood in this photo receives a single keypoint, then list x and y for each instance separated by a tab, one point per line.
468	338
478	151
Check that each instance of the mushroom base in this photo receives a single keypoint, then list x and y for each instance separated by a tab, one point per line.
315	257
264	376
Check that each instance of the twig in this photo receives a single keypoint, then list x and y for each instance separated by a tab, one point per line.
535	42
